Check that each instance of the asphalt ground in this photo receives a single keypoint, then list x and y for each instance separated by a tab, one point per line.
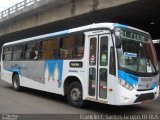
37	105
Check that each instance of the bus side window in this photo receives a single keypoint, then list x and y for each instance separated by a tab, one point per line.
29	51
7	53
80	52
72	47
17	52
39	50
49	49
32	55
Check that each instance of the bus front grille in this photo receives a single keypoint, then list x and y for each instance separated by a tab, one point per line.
144	97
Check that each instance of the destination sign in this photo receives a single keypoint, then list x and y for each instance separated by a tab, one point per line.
132	35
76	64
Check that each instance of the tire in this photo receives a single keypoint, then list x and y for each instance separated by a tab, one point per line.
16	82
74	95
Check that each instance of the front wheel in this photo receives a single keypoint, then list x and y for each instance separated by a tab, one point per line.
74	95
16	82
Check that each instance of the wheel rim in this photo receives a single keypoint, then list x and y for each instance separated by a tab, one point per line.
75	94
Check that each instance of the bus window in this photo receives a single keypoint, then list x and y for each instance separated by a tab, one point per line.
49	49
17	52
7	53
79	46
72	47
30	51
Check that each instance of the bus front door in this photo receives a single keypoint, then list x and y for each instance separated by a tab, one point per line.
98	66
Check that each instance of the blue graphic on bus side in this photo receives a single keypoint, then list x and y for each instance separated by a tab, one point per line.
15	68
55	68
129	78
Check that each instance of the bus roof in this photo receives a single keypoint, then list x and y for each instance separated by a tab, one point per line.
83	28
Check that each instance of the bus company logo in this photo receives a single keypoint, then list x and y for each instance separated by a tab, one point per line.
73	71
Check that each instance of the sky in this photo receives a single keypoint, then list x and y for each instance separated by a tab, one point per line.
4	4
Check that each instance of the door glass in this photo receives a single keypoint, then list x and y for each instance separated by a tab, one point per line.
92	69
92	56
103	69
98	80
104	51
92	81
112	68
103	83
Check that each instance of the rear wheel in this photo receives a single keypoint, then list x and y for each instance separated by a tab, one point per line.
74	95
16	82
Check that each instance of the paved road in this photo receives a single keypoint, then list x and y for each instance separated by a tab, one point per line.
37	102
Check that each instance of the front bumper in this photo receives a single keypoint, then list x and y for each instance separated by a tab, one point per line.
126	97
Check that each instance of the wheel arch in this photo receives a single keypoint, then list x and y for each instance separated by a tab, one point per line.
14	73
68	81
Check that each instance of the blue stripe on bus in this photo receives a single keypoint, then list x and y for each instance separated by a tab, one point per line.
129	78
58	33
120	25
153	85
15	70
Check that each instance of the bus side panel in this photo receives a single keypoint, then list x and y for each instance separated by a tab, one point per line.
53	72
78	72
5	74
40	75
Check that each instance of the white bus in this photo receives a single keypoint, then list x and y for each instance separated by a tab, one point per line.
108	63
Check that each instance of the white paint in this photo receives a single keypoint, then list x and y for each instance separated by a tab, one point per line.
56	73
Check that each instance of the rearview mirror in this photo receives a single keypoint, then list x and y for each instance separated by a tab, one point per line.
118	43
118	40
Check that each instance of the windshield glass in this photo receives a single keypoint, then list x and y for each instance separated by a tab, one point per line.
136	52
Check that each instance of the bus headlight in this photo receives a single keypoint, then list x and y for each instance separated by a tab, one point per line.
125	85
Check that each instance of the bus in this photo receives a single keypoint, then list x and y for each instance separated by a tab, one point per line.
108	63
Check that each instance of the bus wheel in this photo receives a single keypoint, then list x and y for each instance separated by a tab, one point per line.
74	95
16	82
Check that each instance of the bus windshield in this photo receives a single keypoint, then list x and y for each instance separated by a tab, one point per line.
136	52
